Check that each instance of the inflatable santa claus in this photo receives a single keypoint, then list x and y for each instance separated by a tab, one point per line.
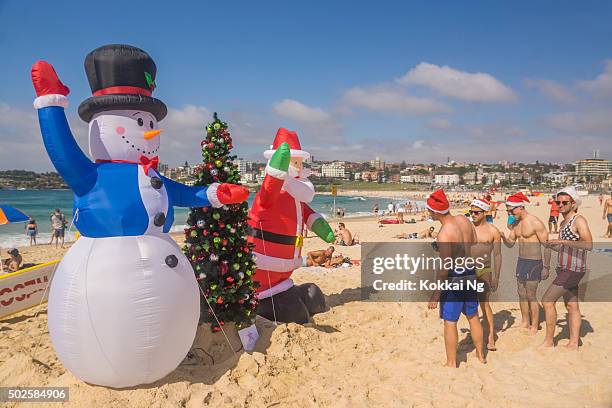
277	219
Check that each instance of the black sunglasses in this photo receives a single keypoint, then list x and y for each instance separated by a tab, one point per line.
562	202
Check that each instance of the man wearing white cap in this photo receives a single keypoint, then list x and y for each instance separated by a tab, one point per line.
574	241
531	233
488	248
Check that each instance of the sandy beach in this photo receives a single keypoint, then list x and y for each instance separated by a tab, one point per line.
356	354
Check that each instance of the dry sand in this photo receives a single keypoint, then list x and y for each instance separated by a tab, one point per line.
356	354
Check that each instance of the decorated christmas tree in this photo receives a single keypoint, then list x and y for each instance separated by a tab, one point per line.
216	242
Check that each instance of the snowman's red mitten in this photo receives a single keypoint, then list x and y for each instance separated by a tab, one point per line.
226	193
49	89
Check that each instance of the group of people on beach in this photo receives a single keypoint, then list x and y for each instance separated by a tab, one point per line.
477	237
58	229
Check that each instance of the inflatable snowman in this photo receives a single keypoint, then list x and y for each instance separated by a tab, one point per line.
124	302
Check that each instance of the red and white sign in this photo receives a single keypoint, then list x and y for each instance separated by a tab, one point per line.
25	289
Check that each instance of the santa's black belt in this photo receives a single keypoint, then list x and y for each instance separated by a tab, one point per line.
274	237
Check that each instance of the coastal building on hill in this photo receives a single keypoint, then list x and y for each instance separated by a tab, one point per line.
446	179
416	178
593	169
377	164
334	170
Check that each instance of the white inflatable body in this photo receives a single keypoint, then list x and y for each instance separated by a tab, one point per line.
118	315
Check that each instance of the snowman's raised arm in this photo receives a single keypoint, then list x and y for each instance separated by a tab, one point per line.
215	194
64	152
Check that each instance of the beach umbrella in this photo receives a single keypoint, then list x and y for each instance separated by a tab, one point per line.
8	215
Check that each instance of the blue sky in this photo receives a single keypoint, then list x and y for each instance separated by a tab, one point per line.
415	81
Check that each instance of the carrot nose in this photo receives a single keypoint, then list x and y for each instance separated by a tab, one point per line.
150	134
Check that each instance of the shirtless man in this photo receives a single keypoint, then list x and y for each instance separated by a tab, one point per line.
531	234
489	250
607	213
323	257
455	241
492	212
428	233
345	237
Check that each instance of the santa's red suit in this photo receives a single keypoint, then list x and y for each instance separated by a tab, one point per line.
277	219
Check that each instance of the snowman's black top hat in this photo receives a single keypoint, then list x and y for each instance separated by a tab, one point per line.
121	77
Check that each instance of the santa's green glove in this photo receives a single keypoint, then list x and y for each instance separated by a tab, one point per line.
281	158
323	230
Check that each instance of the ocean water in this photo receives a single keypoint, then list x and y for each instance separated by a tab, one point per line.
39	204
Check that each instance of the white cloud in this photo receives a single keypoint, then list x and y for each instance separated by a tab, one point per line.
552	90
598	122
602	84
483	132
450	82
390	100
185	128
21	144
439	124
418	144
312	124
297	111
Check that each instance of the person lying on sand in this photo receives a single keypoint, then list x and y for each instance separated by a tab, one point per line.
428	233
344	237
325	258
13	263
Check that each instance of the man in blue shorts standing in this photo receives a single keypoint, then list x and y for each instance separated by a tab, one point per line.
455	239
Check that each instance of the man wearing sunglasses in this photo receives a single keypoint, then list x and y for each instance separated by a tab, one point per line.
574	241
488	248
531	234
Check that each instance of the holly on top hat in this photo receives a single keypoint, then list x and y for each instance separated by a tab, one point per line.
121	77
291	138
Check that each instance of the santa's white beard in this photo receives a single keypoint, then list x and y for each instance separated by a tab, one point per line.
298	186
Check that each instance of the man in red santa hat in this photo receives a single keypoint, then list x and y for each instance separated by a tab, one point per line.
276	219
455	241
531	234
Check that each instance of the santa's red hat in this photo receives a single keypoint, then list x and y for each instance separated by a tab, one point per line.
437	202
481	203
291	137
517	200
